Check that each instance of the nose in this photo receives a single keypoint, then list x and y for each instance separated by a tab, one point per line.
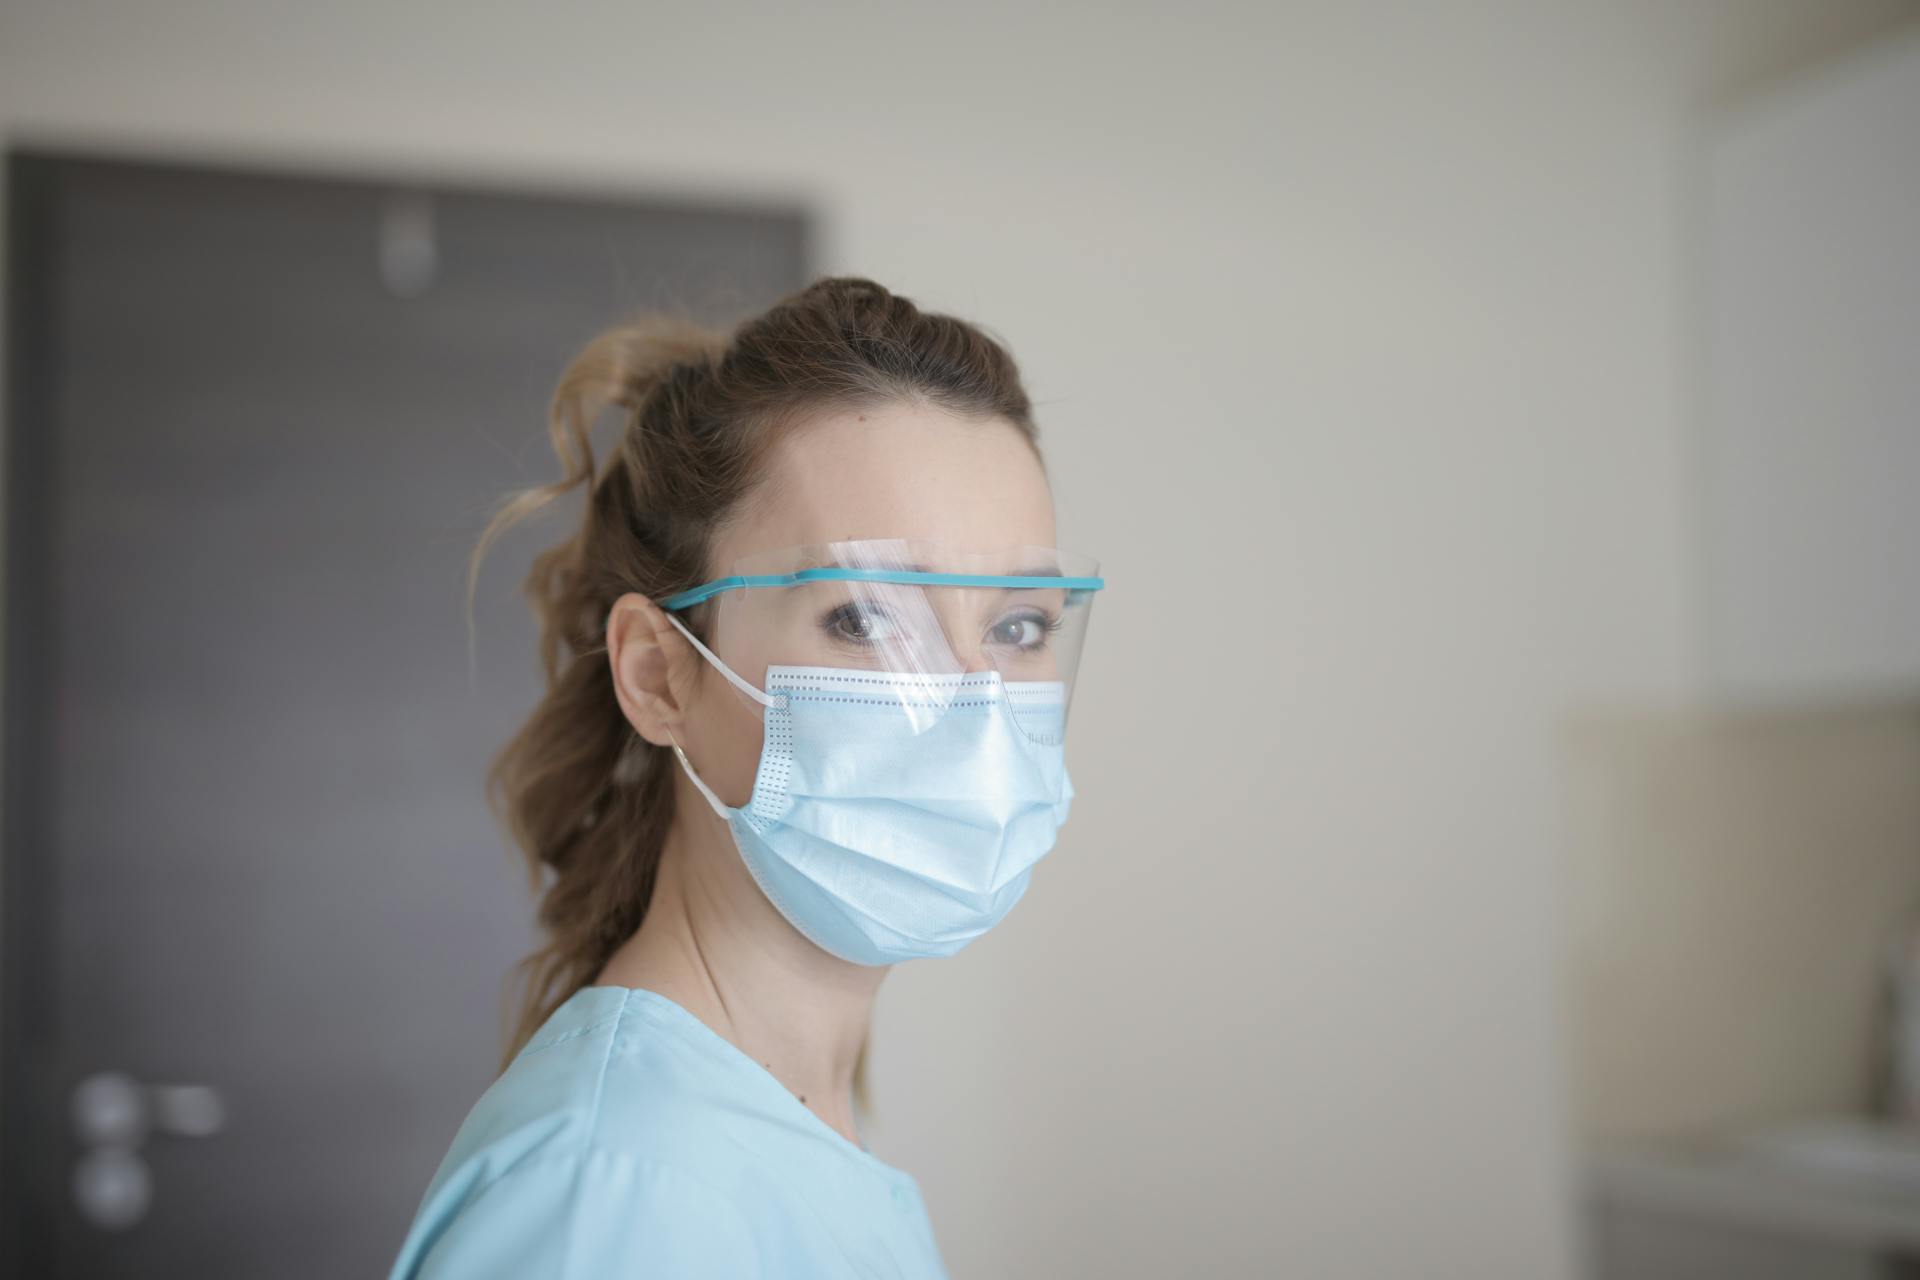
974	660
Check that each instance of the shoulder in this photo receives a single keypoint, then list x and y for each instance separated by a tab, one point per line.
598	1136
615	1070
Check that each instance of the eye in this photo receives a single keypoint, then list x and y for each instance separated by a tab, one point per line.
1028	630
858	623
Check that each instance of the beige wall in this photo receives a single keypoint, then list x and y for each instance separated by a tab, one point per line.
1734	882
1360	342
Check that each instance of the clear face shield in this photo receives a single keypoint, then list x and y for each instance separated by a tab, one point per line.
942	630
913	700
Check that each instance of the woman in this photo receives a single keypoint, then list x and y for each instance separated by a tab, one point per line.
809	659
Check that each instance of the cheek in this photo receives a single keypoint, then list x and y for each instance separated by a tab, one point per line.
729	725
737	749
725	731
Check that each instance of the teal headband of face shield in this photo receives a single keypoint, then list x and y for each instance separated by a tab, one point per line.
1012	582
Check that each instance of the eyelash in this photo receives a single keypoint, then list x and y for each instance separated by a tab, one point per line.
831	621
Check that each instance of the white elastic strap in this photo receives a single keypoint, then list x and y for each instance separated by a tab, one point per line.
705	790
764	699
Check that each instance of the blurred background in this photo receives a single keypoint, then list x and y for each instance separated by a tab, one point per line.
1498	750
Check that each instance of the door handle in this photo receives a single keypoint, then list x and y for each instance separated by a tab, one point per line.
113	1114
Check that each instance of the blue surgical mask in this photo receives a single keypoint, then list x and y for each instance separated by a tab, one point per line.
897	815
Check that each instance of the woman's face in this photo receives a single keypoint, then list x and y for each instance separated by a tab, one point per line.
891	472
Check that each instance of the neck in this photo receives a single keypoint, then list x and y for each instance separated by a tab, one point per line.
713	944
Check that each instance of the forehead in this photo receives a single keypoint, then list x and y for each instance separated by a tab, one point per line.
895	471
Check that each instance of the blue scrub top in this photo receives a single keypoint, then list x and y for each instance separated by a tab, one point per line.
628	1138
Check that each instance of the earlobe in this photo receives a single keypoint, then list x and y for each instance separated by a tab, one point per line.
644	652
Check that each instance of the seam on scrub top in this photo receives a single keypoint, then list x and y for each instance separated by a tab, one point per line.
600	1082
565	1036
593	1127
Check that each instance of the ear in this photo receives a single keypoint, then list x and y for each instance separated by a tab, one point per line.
653	666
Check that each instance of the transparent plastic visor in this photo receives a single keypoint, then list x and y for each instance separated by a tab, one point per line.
903	627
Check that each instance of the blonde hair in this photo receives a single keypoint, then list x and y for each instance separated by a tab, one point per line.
584	797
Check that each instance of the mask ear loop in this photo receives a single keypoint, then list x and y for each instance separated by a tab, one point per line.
777	701
713	801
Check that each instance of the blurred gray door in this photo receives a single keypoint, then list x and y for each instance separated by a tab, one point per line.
252	890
